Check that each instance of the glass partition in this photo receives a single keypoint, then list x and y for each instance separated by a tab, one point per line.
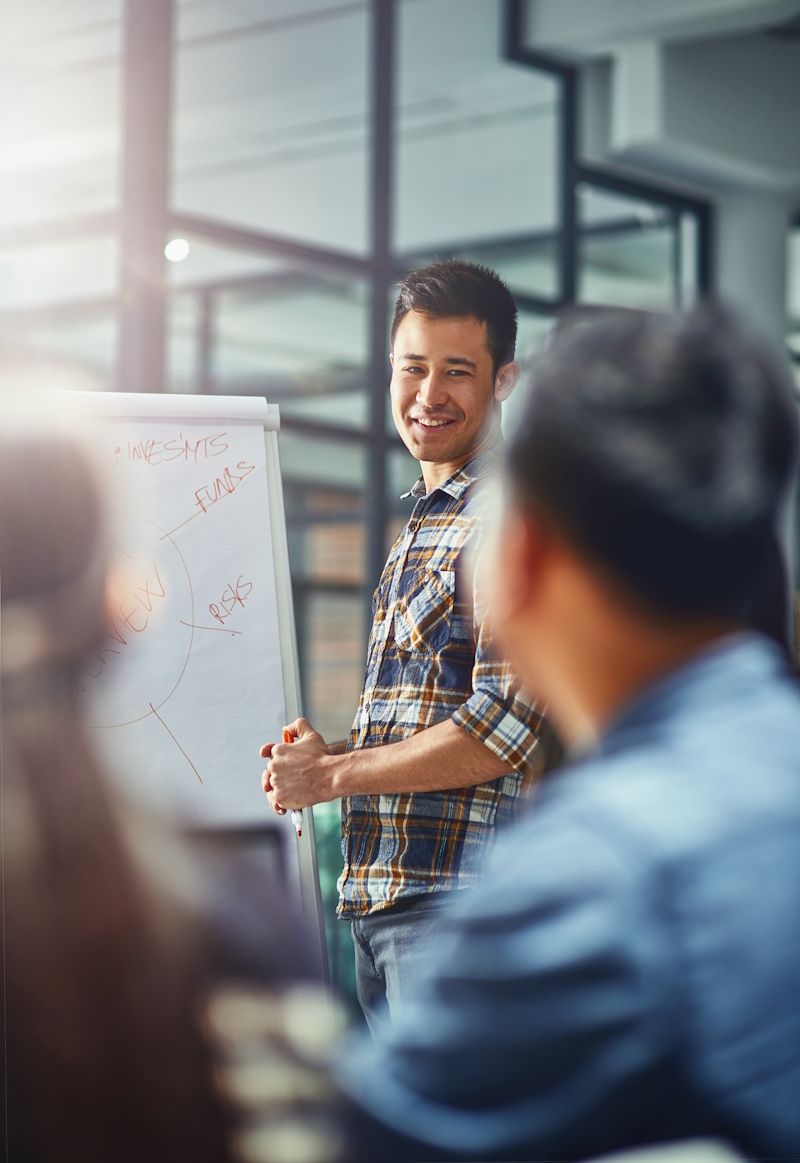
476	138
61	148
59	190
271	118
635	252
628	251
262	324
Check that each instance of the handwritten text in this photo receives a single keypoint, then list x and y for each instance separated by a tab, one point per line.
222	486
233	596
129	618
180	448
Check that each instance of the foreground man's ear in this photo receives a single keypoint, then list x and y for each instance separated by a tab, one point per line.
514	570
506	380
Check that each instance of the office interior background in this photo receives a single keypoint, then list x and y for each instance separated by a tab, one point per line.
218	196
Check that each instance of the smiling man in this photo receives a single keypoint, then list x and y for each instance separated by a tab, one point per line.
443	738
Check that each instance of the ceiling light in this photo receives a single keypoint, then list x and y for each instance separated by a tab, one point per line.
176	250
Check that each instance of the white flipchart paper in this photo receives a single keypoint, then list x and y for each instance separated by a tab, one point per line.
187	682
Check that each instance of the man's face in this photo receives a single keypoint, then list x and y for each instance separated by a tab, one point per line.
443	387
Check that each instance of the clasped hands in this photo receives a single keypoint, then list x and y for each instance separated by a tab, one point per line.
298	774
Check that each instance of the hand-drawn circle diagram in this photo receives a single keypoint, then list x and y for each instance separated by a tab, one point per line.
147	644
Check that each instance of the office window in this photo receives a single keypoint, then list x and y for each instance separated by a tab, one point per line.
59	189
634	253
60	156
271	118
203	271
58	307
60	350
300	338
336	651
324	483
475	145
260	324
324	487
532	332
402	472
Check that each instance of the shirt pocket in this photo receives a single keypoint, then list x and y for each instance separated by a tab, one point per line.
426	617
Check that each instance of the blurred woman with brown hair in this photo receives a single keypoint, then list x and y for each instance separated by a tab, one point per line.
107	976
105	1058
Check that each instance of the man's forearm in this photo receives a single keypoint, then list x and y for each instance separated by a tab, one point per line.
440	758
338	748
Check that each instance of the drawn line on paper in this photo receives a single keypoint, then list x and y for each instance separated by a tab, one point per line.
121	550
177	527
177	744
223	486
110	472
219	629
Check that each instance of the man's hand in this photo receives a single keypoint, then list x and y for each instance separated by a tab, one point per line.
298	774
311	771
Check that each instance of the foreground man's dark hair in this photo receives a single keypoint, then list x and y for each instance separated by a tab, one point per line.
661	446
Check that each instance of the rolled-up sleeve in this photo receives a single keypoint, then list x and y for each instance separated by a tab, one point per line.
499	712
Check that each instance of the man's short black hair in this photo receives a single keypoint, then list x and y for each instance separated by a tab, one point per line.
454	289
662	447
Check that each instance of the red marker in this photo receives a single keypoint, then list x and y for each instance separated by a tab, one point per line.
297	816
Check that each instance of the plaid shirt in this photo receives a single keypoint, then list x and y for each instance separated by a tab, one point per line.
430	659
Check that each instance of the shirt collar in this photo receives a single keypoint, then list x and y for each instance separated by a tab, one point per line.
741	661
484	464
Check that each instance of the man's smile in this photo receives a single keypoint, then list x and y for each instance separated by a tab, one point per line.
430	423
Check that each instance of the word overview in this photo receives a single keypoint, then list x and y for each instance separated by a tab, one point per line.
130	618
154	452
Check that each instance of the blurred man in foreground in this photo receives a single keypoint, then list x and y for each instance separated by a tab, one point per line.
629	970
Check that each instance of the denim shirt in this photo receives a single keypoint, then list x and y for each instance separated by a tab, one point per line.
629	970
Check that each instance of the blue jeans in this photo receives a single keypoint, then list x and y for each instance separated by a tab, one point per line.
390	946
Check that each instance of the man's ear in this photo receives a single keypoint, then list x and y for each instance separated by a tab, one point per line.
506	380
391	358
517	563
